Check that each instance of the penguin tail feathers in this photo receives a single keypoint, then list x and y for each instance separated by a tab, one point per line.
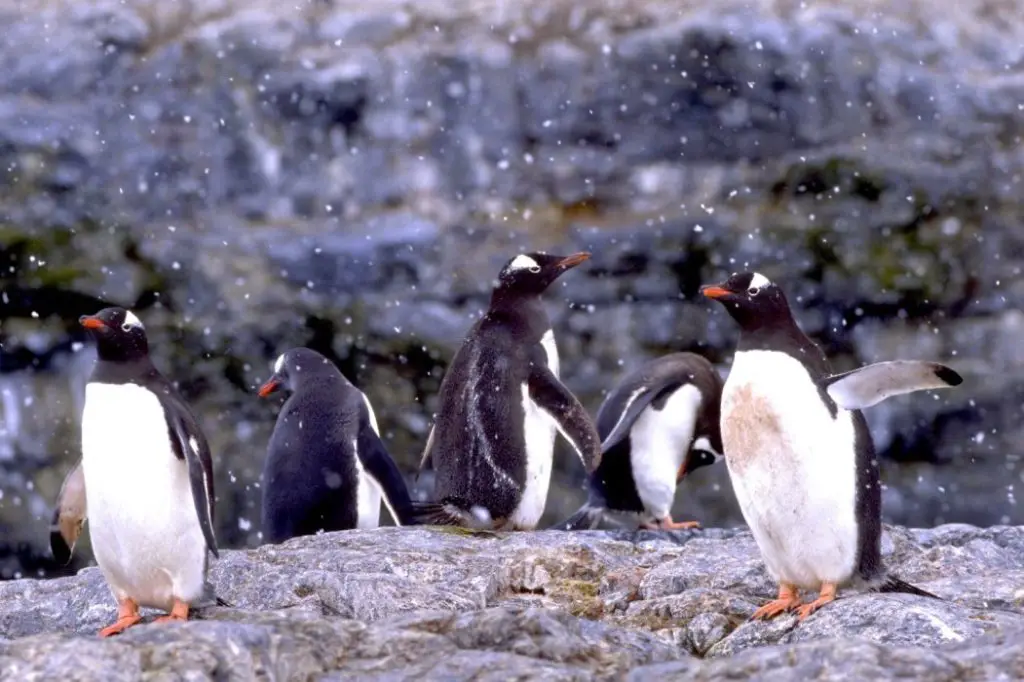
221	602
894	584
451	512
586	518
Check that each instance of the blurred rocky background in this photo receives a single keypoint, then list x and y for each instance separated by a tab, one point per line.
252	176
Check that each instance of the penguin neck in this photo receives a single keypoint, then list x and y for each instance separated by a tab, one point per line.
781	334
509	304
137	370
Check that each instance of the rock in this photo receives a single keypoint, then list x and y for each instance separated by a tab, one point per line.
251	177
594	605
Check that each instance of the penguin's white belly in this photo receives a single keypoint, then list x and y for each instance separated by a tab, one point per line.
367	496
539	431
793	468
142	520
659	441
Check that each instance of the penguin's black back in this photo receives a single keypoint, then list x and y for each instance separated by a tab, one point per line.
612	483
310	474
479	449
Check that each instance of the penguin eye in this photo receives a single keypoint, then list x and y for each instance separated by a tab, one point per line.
535	269
753	291
126	327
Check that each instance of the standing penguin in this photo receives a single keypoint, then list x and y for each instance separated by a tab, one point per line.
501	403
798	450
657	425
148	477
326	466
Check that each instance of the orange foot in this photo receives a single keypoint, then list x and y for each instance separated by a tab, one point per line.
668	524
828	593
127	616
178	613
787	600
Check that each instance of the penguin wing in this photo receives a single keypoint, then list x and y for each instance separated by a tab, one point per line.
383	471
69	515
627	406
870	385
572	420
190	444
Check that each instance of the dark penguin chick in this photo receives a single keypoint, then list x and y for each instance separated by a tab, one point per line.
326	466
799	453
501	403
657	425
148	477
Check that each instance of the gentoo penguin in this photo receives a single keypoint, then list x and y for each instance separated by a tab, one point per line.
798	450
501	402
68	516
326	466
148	477
658	424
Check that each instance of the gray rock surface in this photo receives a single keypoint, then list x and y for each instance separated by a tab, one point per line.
433	604
252	175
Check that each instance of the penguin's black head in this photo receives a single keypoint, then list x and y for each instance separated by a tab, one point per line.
119	334
529	274
295	366
752	300
702	453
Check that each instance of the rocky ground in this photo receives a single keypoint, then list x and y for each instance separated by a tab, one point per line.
401	604
251	175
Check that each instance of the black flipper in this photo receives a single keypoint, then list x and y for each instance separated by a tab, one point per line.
69	515
190	444
869	385
630	409
572	420
382	469
894	584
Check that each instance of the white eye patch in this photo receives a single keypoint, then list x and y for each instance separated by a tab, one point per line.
759	281
522	262
279	363
130	321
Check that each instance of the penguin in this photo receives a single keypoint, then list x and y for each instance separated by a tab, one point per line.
500	405
326	467
69	516
799	453
659	423
148	477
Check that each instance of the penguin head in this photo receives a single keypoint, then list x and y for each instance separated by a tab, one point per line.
119	334
295	366
751	299
702	453
529	274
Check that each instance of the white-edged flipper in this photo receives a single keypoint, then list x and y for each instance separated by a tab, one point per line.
870	385
572	420
69	515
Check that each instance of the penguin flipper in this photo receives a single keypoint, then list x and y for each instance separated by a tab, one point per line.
629	408
190	445
870	385
572	420
384	473
69	515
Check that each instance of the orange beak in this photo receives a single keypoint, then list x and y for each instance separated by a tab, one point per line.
90	322
573	260
714	291
269	387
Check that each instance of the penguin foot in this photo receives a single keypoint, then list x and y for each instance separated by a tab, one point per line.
668	524
828	594
127	616
178	613
787	600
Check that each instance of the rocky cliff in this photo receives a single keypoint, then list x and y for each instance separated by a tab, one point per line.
250	176
426	604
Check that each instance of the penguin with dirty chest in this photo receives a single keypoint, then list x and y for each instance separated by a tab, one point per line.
799	453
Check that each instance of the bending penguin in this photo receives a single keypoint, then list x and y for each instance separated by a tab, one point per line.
326	467
658	424
799	453
147	475
501	403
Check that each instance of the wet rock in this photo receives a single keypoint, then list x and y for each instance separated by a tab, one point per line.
457	605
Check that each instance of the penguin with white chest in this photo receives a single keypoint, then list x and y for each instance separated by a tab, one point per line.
659	424
799	453
148	478
326	467
501	404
